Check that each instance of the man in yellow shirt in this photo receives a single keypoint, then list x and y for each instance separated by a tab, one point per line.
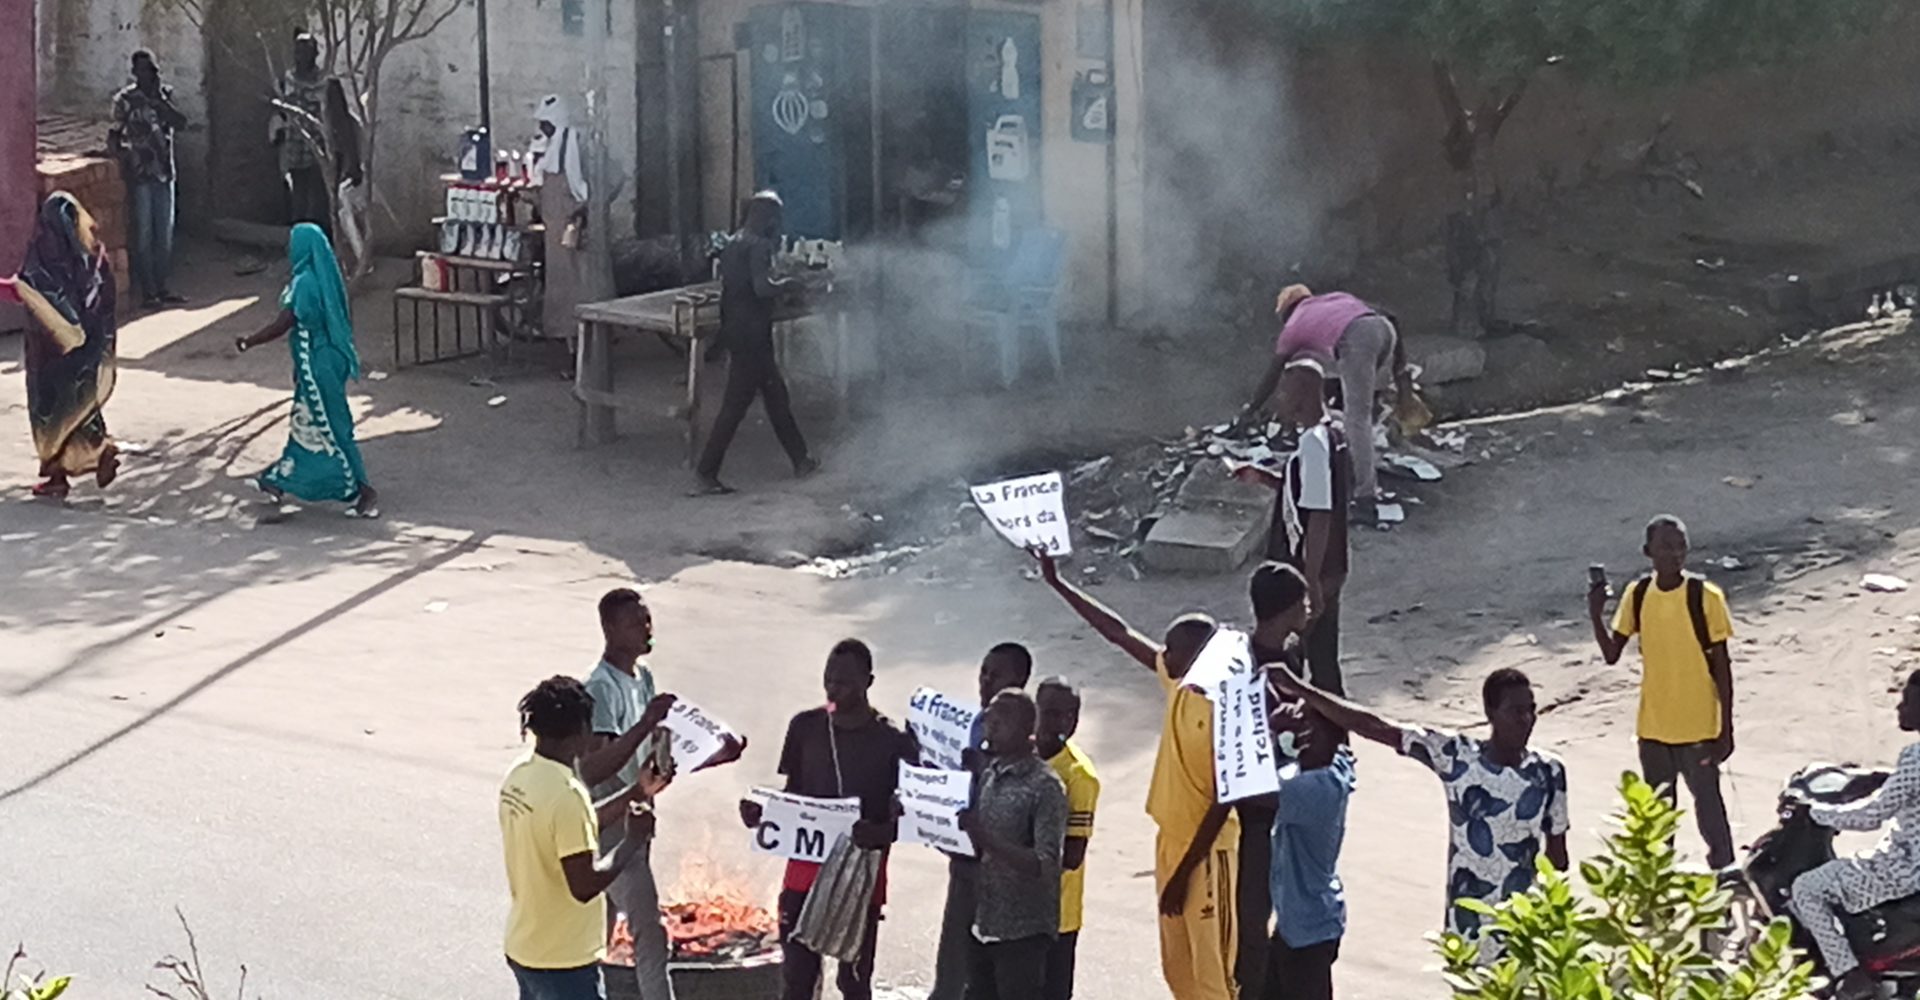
1686	683
1196	853
557	925
1059	719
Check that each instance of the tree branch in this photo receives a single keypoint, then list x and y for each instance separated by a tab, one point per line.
1449	91
1498	116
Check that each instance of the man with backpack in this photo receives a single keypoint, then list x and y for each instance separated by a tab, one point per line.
1686	683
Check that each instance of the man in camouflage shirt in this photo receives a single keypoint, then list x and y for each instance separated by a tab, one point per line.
144	120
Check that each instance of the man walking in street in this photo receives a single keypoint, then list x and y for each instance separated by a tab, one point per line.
1686	678
1506	801
299	139
1006	665
749	291
846	749
1059	706
144	121
557	925
1196	849
1018	824
1356	340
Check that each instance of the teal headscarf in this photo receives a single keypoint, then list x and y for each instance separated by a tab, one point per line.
318	295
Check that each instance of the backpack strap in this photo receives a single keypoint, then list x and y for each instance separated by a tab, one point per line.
1697	610
1637	598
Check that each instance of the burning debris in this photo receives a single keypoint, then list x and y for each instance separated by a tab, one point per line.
717	930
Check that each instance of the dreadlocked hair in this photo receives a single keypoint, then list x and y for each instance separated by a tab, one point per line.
558	706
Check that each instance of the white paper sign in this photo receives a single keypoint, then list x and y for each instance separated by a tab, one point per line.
1243	759
800	828
943	725
1028	511
696	735
931	800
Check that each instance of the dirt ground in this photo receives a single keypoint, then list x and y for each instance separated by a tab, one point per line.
294	732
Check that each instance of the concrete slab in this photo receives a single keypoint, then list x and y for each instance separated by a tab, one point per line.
1209	483
1215	539
1444	359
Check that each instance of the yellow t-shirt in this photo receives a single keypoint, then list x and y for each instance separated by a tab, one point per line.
545	815
1678	702
1181	789
1083	793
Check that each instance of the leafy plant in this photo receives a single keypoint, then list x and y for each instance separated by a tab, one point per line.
1638	933
39	987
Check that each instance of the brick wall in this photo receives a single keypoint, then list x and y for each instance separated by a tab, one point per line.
96	182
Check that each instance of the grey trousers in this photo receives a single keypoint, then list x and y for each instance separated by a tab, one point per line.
1364	359
1667	765
635	894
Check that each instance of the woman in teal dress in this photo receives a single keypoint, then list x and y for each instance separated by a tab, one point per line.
321	461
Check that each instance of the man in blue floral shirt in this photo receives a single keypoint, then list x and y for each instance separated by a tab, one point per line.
144	120
1506	802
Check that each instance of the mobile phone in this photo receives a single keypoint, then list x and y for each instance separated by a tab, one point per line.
1597	575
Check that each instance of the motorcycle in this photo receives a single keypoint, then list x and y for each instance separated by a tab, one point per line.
1886	938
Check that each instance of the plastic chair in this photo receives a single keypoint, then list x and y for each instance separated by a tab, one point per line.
1023	297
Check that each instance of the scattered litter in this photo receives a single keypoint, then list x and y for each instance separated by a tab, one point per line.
119	697
435	607
1882	583
1087	470
1738	311
132	447
1738	482
837	569
497	401
1418	468
1730	563
377	375
1391	513
1713	264
481	382
1103	534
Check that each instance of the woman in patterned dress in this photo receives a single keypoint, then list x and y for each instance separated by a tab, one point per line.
67	287
321	460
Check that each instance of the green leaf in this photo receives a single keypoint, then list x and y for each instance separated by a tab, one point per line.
50	989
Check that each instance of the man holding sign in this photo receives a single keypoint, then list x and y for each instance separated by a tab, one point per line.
846	749
1018	825
1196	853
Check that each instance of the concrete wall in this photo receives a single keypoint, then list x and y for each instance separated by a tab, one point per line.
17	89
84	48
1261	157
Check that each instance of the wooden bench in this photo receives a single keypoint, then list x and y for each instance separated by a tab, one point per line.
474	309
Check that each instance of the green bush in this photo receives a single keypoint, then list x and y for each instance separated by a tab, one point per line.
1636	934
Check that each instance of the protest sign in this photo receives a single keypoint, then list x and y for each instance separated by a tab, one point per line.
800	828
943	725
1242	739
695	735
1027	512
931	800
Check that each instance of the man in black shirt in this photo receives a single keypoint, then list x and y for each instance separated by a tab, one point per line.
748	293
845	749
1279	596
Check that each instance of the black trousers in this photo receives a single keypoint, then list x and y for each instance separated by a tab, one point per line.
1323	650
1665	765
1253	904
1060	962
1299	973
800	966
308	199
1009	970
752	374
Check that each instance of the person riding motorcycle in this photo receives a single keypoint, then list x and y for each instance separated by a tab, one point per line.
1890	871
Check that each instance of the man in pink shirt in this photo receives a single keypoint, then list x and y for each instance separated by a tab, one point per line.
1356	342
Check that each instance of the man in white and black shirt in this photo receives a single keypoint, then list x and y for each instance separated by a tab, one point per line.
1310	521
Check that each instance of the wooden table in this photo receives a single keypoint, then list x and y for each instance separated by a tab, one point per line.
684	315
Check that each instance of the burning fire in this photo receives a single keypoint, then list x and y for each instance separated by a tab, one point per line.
711	921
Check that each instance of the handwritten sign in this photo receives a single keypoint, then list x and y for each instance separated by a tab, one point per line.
800	828
696	735
931	800
943	725
1028	511
1243	759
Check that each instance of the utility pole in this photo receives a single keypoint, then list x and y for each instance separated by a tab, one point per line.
676	209
486	73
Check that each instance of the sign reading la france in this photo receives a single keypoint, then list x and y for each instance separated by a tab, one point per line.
942	725
696	735
1029	511
1243	760
800	828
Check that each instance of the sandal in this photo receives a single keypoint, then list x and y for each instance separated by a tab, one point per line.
56	489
